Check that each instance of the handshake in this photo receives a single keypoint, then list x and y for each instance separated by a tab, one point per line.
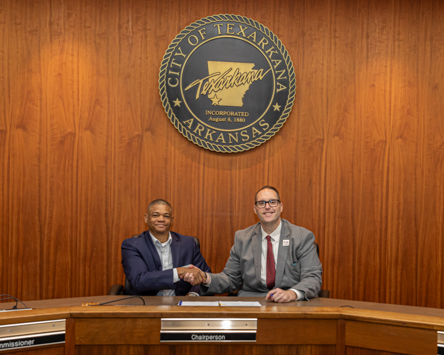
192	274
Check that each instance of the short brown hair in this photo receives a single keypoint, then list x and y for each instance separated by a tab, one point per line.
267	187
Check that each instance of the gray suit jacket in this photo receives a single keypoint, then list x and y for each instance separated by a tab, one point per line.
298	265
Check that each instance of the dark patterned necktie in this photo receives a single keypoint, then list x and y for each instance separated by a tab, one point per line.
271	269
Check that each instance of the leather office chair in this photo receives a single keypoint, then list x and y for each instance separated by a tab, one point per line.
322	293
119	289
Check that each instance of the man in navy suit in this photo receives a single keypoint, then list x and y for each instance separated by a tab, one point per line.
156	261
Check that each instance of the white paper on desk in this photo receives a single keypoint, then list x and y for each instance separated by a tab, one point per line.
199	304
239	304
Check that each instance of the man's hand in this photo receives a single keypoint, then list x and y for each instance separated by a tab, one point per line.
191	274
280	296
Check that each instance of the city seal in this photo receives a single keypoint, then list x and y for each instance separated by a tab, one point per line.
227	83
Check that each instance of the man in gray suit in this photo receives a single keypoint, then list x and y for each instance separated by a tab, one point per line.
272	258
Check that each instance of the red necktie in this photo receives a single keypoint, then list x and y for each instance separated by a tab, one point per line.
271	269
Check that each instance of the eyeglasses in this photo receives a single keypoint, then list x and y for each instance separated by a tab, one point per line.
271	203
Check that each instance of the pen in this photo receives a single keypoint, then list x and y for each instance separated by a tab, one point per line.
180	303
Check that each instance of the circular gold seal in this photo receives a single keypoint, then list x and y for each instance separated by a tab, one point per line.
227	83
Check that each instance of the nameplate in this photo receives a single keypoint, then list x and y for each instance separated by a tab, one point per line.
15	343
33	334
440	343
208	337
211	330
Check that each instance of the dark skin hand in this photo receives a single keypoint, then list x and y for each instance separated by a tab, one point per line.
190	276
197	275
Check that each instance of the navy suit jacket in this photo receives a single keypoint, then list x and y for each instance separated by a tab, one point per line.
143	268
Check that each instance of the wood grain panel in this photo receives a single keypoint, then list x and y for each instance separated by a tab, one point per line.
70	337
281	331
5	113
359	351
27	154
206	349
85	144
431	194
390	338
130	98
146	331
97	127
309	54
340	336
109	331
62	102
370	189
405	156
341	148
50	350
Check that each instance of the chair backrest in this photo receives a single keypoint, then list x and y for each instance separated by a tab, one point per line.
322	293
128	287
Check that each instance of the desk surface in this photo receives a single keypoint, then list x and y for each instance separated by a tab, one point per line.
421	317
173	301
325	326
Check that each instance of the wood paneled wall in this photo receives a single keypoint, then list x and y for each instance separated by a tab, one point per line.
85	144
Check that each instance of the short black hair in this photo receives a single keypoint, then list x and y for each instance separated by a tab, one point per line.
159	201
267	187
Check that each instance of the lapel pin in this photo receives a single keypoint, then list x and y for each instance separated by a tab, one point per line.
285	242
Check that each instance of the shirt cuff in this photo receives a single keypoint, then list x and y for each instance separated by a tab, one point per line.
175	276
300	295
208	279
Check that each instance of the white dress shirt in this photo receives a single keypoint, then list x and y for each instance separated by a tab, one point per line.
166	258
